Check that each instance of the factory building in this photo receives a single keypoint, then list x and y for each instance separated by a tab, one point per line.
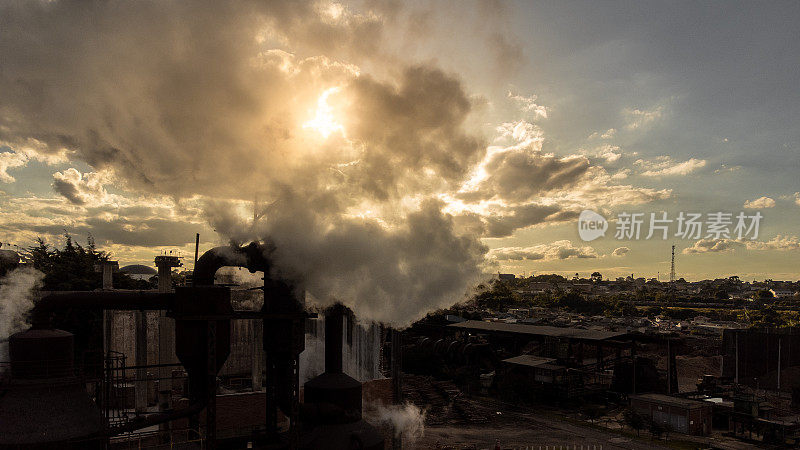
674	413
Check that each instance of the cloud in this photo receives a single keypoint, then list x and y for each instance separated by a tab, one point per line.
119	221
640	118
713	246
779	243
610	153
620	251
10	160
557	250
80	188
519	173
760	203
528	105
207	103
665	166
22	151
202	108
608	134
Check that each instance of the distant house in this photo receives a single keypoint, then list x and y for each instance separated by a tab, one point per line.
742	295
782	293
506	276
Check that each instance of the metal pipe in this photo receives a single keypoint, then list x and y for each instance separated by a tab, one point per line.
334	332
118	300
155	419
196	250
252	256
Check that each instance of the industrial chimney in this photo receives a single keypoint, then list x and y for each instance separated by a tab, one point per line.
333	399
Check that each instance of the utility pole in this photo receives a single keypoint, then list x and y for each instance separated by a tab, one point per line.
672	267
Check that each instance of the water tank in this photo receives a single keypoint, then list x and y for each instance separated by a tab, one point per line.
44	405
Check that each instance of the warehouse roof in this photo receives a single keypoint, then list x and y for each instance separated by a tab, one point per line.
535	362
539	330
664	399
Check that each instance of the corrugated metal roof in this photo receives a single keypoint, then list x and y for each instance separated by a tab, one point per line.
668	400
529	360
539	330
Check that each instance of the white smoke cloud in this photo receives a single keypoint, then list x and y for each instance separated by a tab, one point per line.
407	420
16	300
208	102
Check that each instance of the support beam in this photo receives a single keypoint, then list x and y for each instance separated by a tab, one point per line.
397	379
166	335
140	354
257	371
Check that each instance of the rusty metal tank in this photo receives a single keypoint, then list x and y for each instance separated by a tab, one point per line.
44	405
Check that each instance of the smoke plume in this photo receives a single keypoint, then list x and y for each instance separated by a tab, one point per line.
227	101
361	152
407	420
16	300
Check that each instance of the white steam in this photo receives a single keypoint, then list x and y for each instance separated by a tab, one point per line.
407	420
209	101
16	300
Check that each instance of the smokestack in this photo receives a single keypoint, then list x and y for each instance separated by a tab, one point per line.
334	334
333	399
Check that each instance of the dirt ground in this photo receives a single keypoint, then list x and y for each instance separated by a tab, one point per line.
455	421
692	368
537	433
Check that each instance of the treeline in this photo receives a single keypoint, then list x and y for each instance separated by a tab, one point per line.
500	295
72	267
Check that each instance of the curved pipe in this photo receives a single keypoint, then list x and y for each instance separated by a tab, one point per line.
251	256
279	296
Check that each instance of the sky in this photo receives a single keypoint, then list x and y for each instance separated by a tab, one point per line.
403	149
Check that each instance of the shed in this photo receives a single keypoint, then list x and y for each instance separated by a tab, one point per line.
680	414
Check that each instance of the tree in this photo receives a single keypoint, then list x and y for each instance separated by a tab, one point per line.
499	296
633	420
72	268
596	277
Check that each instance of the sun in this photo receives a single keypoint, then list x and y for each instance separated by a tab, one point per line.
324	122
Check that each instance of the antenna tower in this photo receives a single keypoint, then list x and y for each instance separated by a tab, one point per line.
672	267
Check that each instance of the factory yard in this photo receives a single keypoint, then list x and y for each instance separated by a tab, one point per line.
455	421
516	428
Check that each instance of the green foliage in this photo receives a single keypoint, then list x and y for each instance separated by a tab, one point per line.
680	313
72	268
548	278
768	318
498	296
